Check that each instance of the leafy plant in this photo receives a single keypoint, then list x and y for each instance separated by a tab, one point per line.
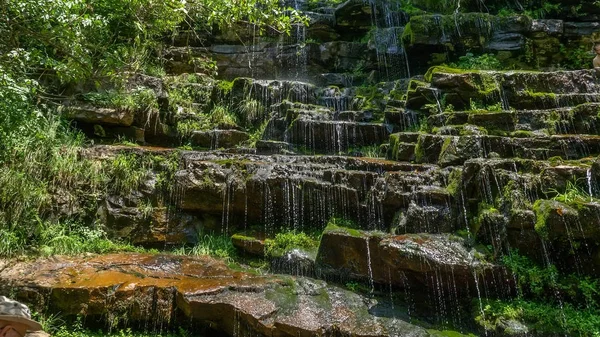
373	151
549	301
218	245
573	193
257	134
579	57
250	112
128	172
221	116
73	238
286	241
482	62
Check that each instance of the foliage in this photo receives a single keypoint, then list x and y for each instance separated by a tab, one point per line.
250	112
40	158
139	99
372	151
481	62
188	93
547	284
67	332
128	172
286	241
257	134
542	10
218	245
221	116
579	57
543	319
76	40
549	301
478	106
574	193
77	329
42	167
341	222
74	238
262	14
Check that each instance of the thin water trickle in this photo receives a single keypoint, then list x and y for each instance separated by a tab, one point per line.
479	297
371	282
588	174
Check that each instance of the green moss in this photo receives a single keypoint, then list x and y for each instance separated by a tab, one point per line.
521	134
332	227
225	86
286	241
446	70
454	182
242	237
284	296
486	212
448	333
446	146
540	95
408	37
419	149
394	146
542	209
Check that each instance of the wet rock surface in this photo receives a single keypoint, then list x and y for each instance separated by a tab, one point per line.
501	159
161	290
417	261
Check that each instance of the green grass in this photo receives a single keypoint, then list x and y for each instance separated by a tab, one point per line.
542	319
73	239
217	245
573	193
66	332
222	116
286	241
548	302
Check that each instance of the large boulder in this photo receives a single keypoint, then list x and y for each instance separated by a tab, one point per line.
415	261
95	115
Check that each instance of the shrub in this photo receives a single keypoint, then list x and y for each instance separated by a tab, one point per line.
286	241
482	62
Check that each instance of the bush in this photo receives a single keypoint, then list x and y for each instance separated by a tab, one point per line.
217	245
286	241
482	62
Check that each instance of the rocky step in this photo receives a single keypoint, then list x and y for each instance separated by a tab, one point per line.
440	264
224	192
241	189
325	136
216	139
582	119
291	111
274	60
159	291
447	150
544	209
515	90
482	32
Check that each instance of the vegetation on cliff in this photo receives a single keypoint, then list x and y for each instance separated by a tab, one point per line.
473	104
48	47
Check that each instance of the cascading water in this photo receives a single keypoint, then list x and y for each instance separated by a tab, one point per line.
388	26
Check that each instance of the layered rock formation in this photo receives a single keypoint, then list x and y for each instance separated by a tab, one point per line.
436	177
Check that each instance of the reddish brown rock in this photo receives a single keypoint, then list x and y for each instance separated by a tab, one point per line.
162	290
